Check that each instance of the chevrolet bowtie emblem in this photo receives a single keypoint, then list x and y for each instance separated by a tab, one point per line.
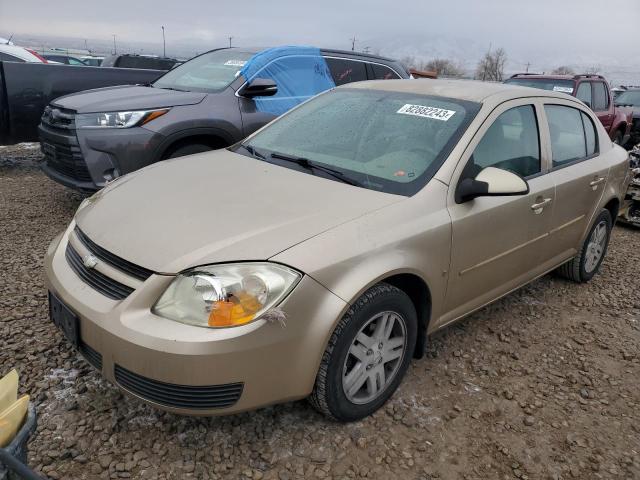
90	261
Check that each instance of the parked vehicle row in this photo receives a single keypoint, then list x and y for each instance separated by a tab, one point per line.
209	102
313	258
593	90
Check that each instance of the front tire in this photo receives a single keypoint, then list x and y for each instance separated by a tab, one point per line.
367	356
586	263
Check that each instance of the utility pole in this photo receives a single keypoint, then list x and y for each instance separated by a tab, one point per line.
164	44
115	51
230	38
528	65
353	44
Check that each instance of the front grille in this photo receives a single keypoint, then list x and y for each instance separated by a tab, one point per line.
92	356
66	160
179	396
129	268
103	284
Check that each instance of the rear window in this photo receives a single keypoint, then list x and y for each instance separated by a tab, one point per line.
145	63
562	86
381	72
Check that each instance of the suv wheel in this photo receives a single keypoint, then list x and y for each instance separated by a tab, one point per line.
586	263
367	355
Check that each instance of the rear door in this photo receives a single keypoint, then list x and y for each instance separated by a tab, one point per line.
498	242
577	171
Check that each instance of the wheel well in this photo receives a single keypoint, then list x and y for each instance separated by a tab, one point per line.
419	293
613	206
209	140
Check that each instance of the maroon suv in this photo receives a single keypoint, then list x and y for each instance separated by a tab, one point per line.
593	90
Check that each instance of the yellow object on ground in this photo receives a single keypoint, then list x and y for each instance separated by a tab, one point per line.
8	390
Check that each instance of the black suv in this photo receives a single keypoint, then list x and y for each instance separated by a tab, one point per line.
212	101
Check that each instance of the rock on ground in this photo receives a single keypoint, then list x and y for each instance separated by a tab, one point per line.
542	384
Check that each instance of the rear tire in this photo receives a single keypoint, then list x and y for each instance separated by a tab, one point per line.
188	150
367	356
586	263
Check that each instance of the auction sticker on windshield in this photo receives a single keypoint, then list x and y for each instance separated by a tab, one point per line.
427	112
563	89
235	63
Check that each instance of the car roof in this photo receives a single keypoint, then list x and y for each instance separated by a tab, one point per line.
470	90
19	52
325	51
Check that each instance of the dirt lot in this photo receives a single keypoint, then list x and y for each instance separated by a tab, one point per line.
542	384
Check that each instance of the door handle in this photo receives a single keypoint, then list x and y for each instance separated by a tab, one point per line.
597	181
539	205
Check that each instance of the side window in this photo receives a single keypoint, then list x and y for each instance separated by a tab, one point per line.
600	97
584	93
380	72
568	139
298	77
590	134
346	71
5	57
511	143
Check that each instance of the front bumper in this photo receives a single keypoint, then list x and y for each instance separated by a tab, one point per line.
272	363
87	159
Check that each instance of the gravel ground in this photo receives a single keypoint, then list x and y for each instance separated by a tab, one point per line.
542	384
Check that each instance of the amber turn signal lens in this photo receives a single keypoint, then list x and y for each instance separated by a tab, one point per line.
238	310
153	115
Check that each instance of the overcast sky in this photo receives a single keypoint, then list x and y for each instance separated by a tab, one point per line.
582	31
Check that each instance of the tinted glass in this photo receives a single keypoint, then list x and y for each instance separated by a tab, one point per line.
563	86
511	143
148	63
589	133
346	71
380	72
387	141
211	72
600	97
568	141
631	97
5	57
584	93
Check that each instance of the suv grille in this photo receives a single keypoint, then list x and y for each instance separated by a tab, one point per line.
179	396
65	159
129	268
105	285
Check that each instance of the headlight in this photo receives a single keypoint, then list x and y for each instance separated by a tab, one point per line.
226	295
117	119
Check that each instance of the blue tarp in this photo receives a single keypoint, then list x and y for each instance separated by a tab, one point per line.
299	72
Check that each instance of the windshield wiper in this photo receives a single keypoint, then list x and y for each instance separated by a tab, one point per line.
310	165
253	151
172	88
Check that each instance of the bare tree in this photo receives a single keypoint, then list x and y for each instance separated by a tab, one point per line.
592	70
444	68
409	61
491	67
563	70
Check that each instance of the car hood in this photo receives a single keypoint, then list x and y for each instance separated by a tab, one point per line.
217	207
126	97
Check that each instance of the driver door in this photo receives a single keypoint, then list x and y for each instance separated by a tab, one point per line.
498	241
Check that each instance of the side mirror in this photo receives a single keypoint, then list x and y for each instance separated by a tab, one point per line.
259	87
491	182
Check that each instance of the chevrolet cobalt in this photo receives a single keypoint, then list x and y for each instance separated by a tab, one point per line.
314	258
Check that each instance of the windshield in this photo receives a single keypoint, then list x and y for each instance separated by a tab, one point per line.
211	72
562	86
386	141
629	98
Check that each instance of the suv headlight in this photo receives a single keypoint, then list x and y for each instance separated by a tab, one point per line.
226	295
117	119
